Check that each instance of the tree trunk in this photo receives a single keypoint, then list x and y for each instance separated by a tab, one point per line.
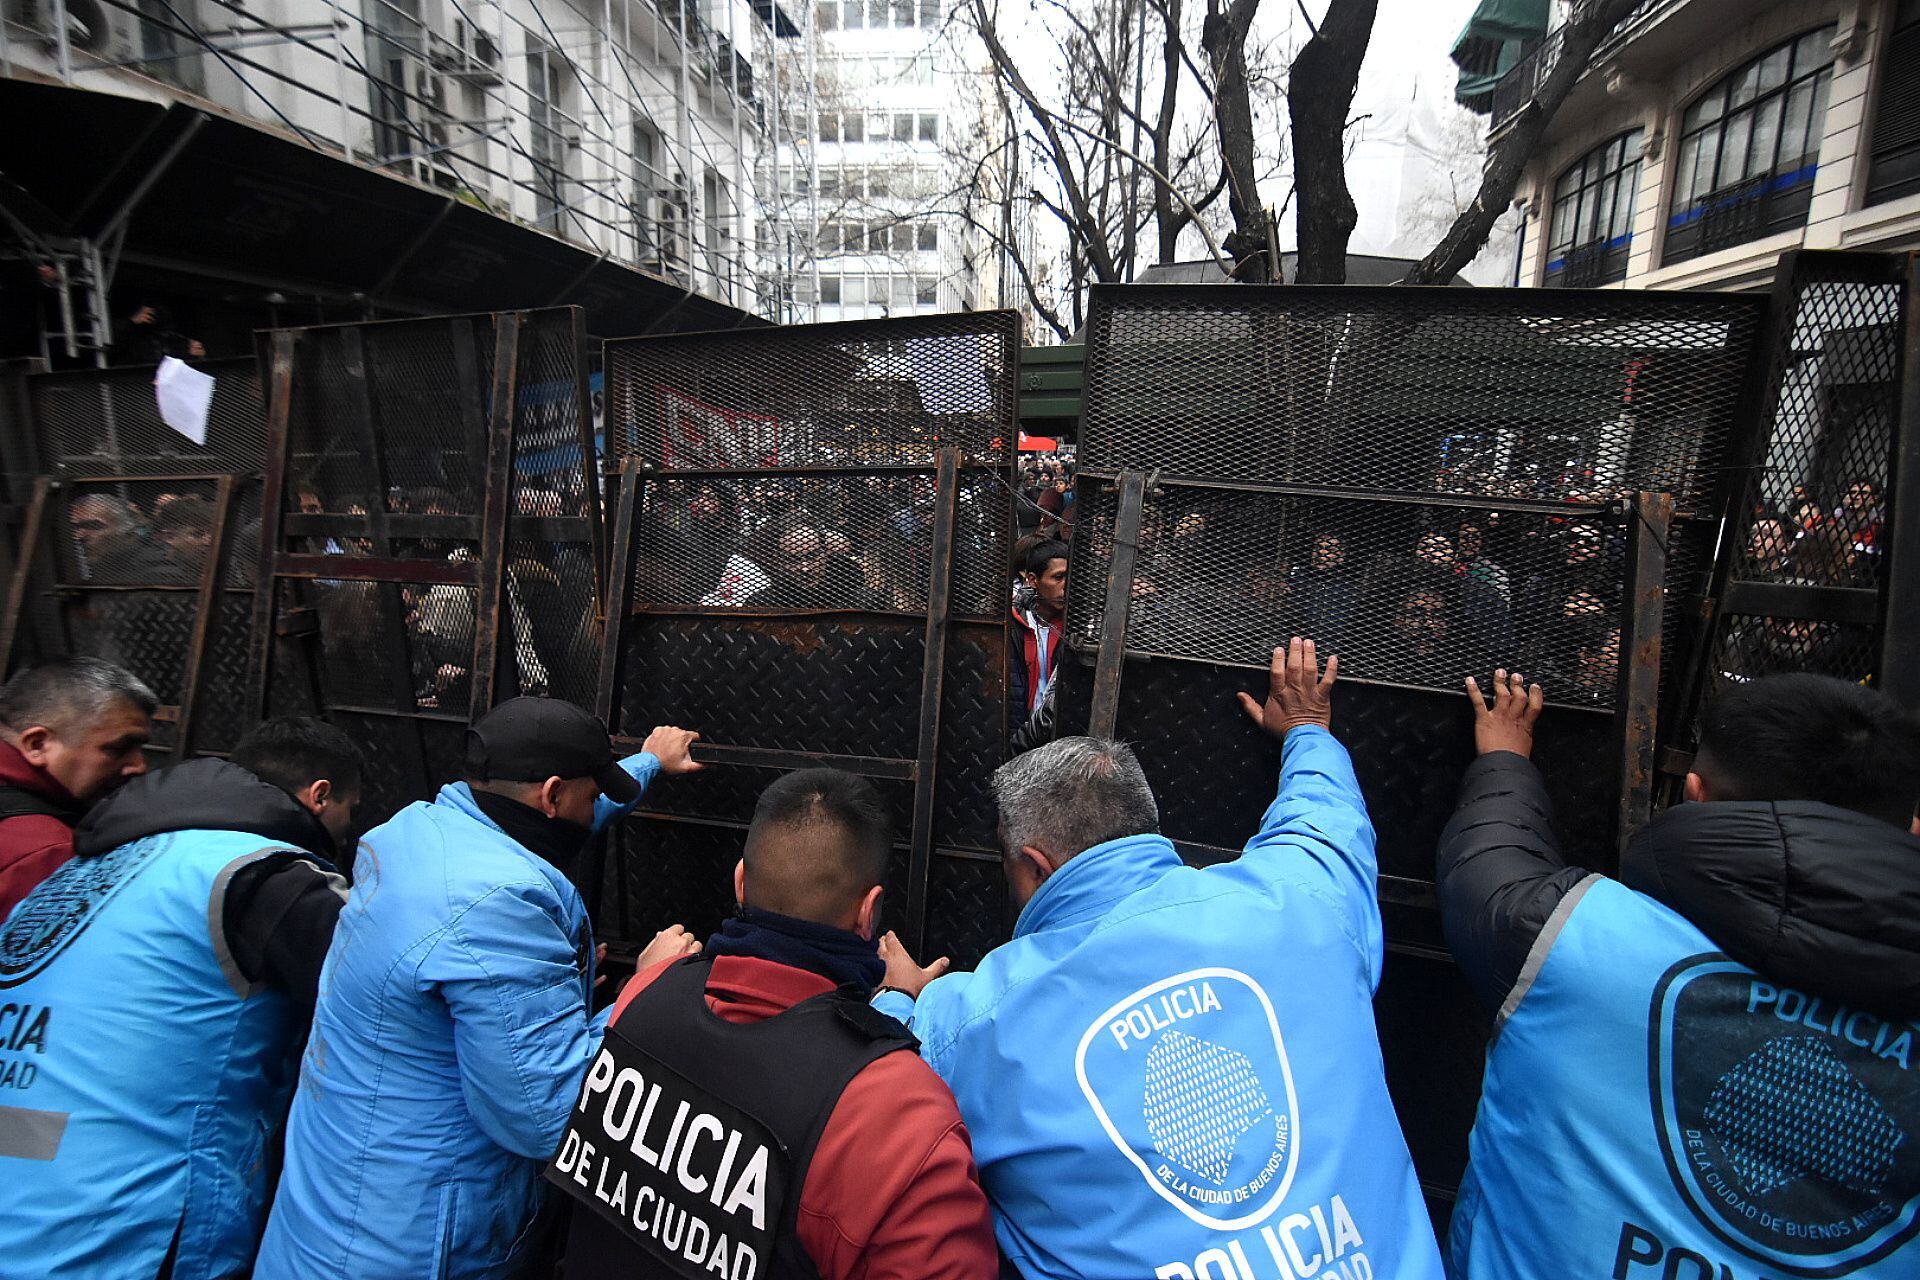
1224	40
1320	90
1586	27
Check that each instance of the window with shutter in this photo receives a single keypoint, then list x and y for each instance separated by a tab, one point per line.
1894	169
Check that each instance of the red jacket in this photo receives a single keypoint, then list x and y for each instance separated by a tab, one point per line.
892	1193
32	846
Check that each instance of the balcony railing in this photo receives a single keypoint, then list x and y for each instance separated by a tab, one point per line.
1519	86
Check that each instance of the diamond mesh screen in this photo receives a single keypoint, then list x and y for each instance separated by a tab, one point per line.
781	560
1814	513
1432	477
107	422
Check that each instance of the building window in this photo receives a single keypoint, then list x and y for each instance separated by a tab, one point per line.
902	238
852	17
929	13
1748	149
853	127
903	128
853	291
826	16
829	127
1592	224
927	291
1895	164
929	128
830	290
903	291
929	239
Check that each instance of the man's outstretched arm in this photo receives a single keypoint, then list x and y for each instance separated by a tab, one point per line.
1500	875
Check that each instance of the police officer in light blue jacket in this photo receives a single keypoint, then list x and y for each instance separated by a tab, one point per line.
1173	1071
452	1031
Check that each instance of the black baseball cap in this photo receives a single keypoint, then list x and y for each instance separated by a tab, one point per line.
533	739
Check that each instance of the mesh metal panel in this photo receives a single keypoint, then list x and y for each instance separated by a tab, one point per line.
1404	593
1528	394
1431	477
853	396
391	429
790	476
127	559
1810	525
107	422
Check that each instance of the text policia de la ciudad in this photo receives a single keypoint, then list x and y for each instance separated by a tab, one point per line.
687	1184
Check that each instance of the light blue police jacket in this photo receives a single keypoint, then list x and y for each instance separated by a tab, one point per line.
1653	1109
1173	1071
449	1043
140	1073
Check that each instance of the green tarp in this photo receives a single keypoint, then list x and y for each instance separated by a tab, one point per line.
1499	34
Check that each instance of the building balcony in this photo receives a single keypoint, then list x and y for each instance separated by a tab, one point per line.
1519	86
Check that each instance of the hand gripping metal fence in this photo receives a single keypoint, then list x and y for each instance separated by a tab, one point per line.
435	540
137	539
1433	483
810	538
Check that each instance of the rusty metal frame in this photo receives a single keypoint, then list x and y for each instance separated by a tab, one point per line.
932	678
1900	608
1105	715
1637	702
619	593
38	562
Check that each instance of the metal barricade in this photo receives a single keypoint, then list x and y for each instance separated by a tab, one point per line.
435	543
1805	573
1432	483
137	539
809	544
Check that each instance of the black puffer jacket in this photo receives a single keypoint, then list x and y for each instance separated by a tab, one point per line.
199	795
1813	896
279	911
1820	898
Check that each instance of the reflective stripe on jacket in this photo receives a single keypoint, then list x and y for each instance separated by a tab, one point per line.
449	1043
143	1072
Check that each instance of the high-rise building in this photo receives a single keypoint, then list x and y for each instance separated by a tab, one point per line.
887	215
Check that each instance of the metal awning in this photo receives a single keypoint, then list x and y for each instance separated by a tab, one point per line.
199	192
1496	37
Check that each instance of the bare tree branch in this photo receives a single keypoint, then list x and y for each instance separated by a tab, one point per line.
1587	25
1224	40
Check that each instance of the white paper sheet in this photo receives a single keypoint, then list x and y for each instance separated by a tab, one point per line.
184	394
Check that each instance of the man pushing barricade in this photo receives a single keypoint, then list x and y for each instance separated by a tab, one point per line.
70	731
1171	1071
1709	1066
452	1029
749	1115
158	986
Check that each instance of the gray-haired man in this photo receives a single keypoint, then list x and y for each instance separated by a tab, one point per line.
70	731
1173	1071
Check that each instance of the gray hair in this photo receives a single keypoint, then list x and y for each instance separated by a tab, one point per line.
59	693
1072	794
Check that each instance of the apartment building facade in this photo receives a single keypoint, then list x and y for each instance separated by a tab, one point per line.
634	132
1709	136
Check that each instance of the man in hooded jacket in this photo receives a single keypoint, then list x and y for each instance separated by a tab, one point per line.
156	989
452	1030
1709	1066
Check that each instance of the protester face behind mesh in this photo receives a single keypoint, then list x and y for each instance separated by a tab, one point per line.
1717	1046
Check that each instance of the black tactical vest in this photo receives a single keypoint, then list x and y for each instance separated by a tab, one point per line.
690	1144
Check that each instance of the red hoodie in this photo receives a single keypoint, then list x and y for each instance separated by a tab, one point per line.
892	1193
32	846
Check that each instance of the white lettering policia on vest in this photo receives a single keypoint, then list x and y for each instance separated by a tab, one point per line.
706	1158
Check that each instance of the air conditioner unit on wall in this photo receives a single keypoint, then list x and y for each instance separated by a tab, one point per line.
94	28
468	54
